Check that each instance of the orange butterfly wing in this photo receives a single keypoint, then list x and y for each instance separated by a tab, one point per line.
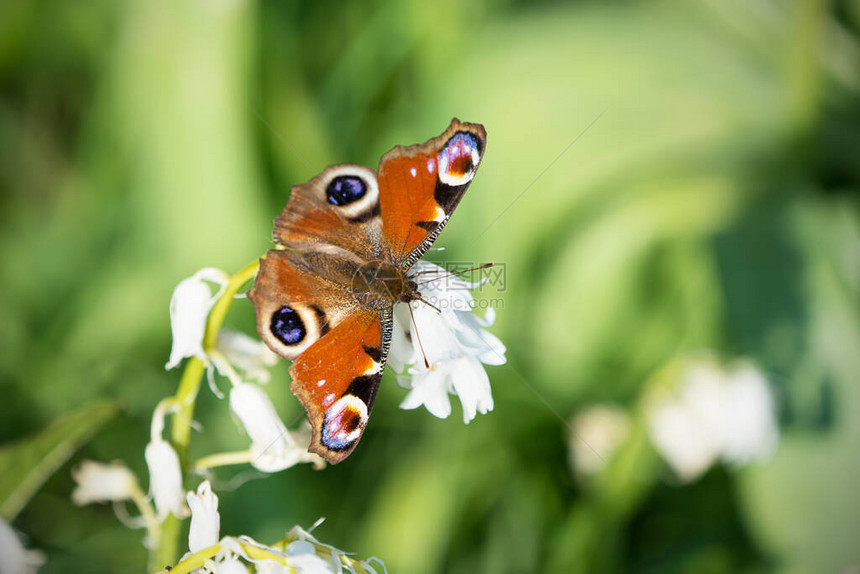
336	381
421	185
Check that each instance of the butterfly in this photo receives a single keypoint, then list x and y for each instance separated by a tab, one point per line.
346	241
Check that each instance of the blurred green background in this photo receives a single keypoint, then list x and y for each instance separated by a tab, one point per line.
713	205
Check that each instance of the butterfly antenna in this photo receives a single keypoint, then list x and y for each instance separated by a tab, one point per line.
429	304
478	268
417	336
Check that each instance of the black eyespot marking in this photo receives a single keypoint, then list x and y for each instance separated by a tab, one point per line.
287	326
345	189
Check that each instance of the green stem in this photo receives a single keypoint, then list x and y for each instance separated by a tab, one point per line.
167	551
222	459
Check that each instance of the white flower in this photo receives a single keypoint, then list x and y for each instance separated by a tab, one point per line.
310	556
273	447
189	307
165	473
753	434
205	521
230	565
454	342
717	414
251	356
595	435
303	557
99	482
302	553
14	558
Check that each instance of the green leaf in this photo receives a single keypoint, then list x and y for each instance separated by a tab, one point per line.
28	463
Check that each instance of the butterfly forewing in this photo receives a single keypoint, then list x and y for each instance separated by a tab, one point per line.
337	211
421	185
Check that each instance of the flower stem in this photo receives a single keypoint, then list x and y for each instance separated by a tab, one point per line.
222	459
167	551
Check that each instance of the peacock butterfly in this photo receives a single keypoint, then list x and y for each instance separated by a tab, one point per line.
346	242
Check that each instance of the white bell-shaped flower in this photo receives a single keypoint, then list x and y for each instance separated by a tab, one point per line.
190	305
205	526
273	447
165	472
714	415
99	482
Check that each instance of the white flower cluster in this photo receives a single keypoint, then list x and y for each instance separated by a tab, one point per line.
707	414
454	342
237	357
714	414
298	553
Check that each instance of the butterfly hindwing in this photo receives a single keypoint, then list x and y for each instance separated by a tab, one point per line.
296	302
421	185
336	380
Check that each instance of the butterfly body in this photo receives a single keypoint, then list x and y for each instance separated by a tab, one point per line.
347	241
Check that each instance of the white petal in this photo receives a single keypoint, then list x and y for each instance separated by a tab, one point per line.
478	341
435	334
189	307
681	440
231	565
165	479
471	384
249	355
205	520
273	448
310	564
429	388
98	482
489	318
14	558
272	567
751	432
302	555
